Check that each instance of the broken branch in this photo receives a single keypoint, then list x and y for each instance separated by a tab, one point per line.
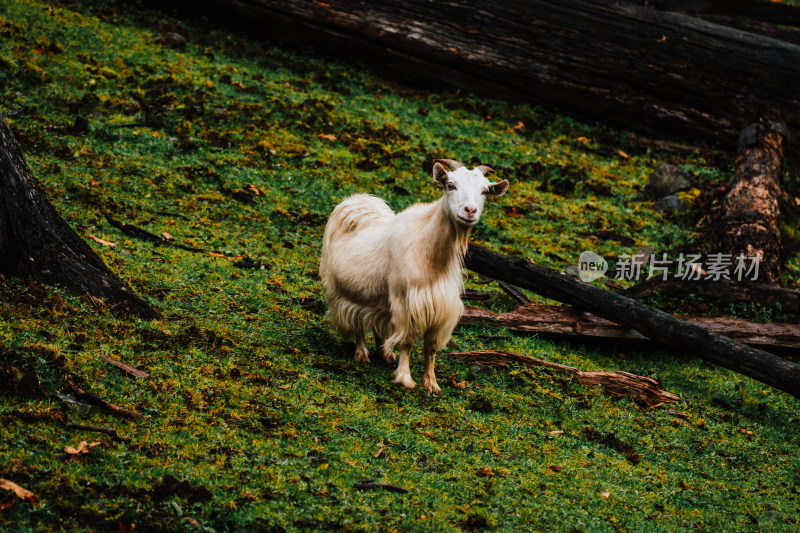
641	389
98	429
97	400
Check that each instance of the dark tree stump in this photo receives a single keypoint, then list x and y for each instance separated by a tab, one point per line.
36	242
751	209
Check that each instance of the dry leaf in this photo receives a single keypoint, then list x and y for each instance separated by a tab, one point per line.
83	447
622	154
583	139
379	452
166	235
605	494
555	433
19	491
253	189
457	384
555	468
327	136
485	471
742	430
519	127
102	241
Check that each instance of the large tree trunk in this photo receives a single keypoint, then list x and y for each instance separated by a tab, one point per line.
36	242
751	209
657	325
647	70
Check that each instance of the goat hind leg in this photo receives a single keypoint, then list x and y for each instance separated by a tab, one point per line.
362	353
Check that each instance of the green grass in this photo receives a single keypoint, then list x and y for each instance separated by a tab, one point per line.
255	407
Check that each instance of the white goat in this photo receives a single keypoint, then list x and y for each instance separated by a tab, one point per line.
399	275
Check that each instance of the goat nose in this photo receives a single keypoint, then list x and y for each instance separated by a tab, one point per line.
470	210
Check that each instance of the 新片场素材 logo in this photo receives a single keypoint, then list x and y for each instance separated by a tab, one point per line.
591	266
689	267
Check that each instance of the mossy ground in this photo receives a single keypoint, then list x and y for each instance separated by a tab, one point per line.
256	416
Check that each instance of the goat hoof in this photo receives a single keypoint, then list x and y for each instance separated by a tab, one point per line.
405	381
389	357
362	356
431	386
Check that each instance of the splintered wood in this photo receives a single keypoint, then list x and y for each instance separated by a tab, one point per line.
571	322
642	390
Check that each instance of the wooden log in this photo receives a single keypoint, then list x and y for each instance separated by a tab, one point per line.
36	242
568	321
657	325
751	209
757	11
658	72
641	389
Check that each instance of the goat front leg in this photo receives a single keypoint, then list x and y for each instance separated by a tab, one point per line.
362	353
403	373
429	351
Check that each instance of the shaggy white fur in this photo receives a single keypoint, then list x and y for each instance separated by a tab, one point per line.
399	275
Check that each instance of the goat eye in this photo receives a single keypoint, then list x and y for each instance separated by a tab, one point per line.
451	186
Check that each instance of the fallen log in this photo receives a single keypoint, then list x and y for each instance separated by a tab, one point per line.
657	325
723	290
568	321
659	72
641	389
751	209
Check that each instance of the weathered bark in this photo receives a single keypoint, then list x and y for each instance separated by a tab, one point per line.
751	209
641	389
567	321
36	242
757	11
657	325
660	72
723	290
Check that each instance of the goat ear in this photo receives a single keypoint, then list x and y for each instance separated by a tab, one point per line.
439	174
499	188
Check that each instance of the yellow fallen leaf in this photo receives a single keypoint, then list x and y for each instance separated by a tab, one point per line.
555	433
166	235
605	494
253	189
83	447
327	136
102	241
485	471
19	491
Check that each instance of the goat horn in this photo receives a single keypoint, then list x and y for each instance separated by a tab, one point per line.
453	164
484	169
